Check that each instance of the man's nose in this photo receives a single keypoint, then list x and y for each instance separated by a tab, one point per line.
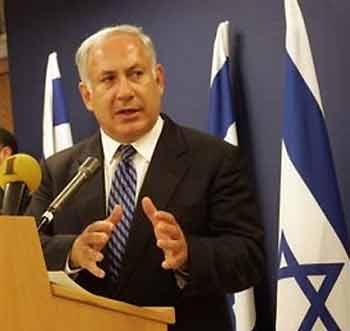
124	90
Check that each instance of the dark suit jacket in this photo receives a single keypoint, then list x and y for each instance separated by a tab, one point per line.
200	180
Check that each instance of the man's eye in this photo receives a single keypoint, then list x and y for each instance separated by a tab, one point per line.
107	79
137	74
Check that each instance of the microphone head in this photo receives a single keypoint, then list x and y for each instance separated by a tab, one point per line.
21	168
89	166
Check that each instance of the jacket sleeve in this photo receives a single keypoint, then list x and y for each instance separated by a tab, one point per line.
230	258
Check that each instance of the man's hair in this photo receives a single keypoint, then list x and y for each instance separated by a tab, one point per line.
8	139
82	54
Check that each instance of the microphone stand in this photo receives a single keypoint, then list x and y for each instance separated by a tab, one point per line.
86	170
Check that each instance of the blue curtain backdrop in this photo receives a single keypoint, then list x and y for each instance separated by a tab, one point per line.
184	32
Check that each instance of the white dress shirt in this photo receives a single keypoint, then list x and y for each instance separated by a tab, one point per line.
144	151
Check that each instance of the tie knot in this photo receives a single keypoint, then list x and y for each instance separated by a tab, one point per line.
126	152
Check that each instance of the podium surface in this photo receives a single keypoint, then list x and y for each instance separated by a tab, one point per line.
29	302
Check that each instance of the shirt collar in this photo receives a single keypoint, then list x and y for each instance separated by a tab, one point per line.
144	146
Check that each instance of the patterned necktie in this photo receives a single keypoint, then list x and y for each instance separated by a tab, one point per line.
123	192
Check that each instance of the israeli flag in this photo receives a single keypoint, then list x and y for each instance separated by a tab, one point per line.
222	123
313	289
222	119
56	128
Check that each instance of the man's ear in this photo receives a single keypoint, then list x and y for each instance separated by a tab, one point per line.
5	152
86	95
160	77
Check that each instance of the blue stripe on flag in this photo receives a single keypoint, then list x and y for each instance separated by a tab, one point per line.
307	143
58	104
221	114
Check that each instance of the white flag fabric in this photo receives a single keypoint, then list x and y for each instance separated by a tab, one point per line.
222	123
56	127
313	288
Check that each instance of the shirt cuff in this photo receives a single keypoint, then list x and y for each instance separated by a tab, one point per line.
68	270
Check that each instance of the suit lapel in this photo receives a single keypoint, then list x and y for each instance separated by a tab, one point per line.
168	166
91	203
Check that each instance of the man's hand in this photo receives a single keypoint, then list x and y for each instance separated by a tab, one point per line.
86	249
169	235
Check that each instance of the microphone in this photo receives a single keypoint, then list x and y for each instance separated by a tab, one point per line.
85	171
19	174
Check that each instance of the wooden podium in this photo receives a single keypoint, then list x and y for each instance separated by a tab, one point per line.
28	302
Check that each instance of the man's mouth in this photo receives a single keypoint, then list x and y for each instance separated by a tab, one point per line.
127	111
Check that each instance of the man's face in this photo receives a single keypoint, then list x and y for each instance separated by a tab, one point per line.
125	89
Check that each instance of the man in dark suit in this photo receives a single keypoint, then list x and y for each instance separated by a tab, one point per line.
194	234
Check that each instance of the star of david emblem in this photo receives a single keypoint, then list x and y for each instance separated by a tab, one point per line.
317	299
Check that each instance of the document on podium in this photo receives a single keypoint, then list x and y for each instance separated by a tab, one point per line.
61	278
